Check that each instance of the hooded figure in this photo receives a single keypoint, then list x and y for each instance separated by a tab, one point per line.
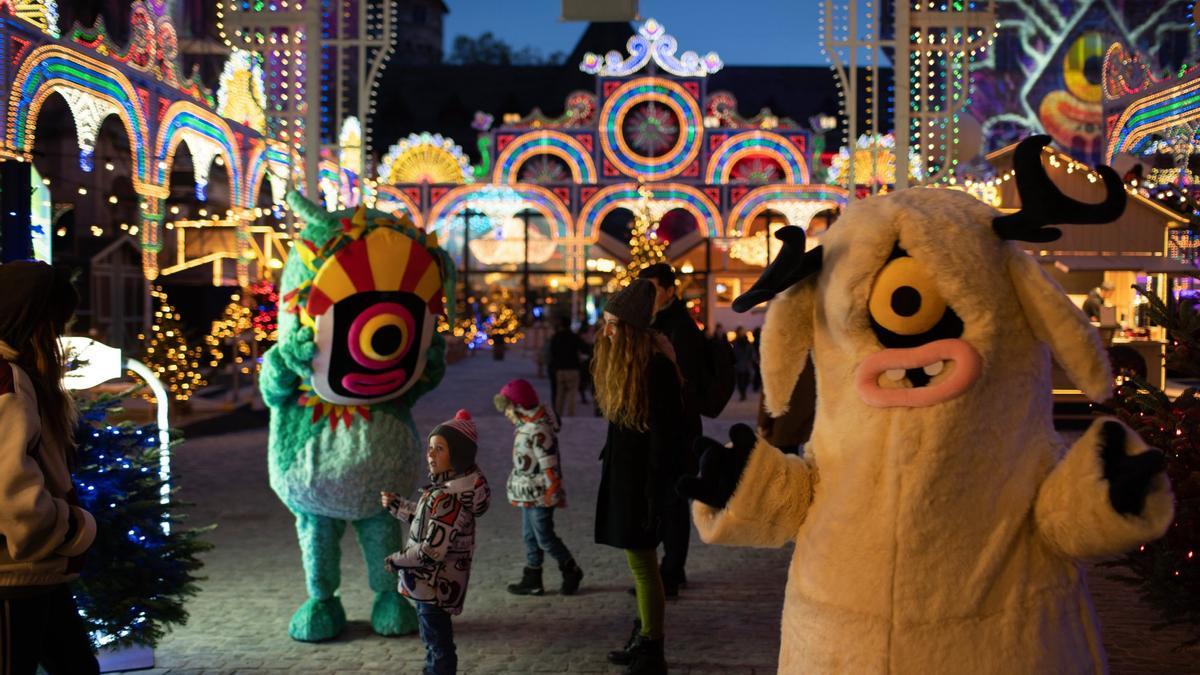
44	532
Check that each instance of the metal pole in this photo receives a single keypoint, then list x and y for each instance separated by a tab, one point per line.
466	256
900	69
525	279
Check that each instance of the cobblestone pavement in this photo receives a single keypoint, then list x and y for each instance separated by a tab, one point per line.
722	623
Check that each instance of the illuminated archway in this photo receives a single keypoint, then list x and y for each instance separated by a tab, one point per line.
752	143
545	142
670	195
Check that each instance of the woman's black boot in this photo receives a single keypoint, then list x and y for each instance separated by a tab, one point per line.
647	657
621	657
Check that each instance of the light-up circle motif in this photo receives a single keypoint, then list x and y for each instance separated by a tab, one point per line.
622	149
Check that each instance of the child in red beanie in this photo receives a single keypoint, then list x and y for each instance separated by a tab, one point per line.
535	486
435	565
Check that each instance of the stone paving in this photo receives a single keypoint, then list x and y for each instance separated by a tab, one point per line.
726	621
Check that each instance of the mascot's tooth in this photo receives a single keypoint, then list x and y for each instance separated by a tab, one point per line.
934	368
895	374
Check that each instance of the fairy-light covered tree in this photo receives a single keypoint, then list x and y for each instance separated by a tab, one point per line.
166	351
1166	572
231	335
645	248
138	574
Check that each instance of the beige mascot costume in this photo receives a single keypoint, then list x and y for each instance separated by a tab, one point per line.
938	519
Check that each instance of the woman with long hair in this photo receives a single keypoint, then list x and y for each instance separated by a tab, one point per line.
638	389
44	531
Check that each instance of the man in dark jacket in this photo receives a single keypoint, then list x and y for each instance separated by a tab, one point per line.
673	320
566	347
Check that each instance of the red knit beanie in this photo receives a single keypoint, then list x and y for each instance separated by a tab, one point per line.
461	436
520	393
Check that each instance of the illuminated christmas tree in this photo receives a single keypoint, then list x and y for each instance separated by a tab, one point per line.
139	573
229	340
503	323
645	248
167	353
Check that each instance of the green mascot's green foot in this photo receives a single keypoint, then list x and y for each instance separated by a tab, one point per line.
392	615
318	620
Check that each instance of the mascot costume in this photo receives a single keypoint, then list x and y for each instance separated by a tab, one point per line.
358	344
938	519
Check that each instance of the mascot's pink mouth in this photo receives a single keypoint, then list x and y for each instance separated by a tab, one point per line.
374	385
919	376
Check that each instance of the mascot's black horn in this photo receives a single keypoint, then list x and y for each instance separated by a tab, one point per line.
1043	204
792	265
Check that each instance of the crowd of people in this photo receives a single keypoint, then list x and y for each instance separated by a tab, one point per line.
649	370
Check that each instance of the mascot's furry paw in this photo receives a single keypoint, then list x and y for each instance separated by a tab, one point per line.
720	467
1128	476
392	615
318	620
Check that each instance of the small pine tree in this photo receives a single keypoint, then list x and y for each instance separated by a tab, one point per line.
136	576
166	351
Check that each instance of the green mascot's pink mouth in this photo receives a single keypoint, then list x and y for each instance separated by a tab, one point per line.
370	385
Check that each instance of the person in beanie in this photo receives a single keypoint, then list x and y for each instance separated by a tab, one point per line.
639	390
435	565
43	531
535	486
672	319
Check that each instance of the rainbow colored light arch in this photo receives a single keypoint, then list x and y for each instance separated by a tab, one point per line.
760	199
1143	117
51	67
262	157
544	142
184	119
677	195
749	143
536	197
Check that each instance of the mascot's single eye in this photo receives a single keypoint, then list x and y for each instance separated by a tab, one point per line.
904	299
381	336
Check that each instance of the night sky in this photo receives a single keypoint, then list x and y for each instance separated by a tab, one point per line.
773	32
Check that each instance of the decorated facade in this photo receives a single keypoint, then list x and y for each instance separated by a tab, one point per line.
547	211
157	157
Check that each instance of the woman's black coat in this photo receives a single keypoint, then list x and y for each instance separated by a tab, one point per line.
636	477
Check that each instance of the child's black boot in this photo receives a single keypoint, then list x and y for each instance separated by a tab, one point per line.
531	582
571	576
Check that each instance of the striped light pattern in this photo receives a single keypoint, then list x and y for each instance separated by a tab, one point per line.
186	119
760	199
1162	110
51	67
671	195
545	142
756	143
384	260
623	101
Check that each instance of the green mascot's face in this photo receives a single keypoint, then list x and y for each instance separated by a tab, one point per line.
373	304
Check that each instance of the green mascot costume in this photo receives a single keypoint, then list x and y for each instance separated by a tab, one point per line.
358	345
